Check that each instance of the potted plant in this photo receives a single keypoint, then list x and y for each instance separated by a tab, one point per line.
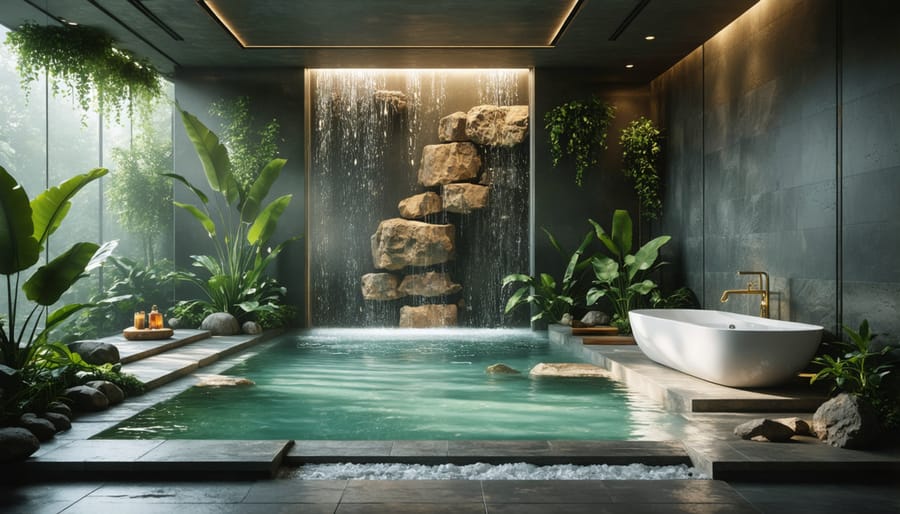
578	129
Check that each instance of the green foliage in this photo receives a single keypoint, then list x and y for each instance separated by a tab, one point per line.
541	291
640	156
25	228
234	280
250	148
83	62
681	298
622	277
190	313
138	193
578	129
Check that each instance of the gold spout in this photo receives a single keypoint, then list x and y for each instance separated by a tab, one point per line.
761	289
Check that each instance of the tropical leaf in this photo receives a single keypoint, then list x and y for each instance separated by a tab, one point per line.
19	250
516	299
646	256
50	281
265	223
605	269
260	189
621	232
50	207
213	156
200	194
200	216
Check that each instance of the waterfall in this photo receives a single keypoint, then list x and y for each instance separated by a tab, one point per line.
365	156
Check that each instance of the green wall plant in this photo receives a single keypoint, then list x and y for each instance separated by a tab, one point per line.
249	147
83	62
577	129
640	156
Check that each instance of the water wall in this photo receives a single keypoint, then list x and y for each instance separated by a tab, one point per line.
368	131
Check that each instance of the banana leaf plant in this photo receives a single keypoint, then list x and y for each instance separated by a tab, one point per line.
234	279
622	277
25	227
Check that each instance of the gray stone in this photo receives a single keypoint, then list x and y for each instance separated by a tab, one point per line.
221	324
764	429
427	316
497	126
845	421
799	426
448	162
17	444
113	393
395	101
398	243
95	352
251	328
453	128
223	381
566	319
568	369
43	429
429	284
60	421
464	198
60	408
501	369
86	398
174	323
381	287
595	318
419	206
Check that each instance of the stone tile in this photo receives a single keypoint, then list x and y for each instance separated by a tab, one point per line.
98	506
410	508
169	493
498	448
98	453
41	498
672	491
614	508
657	453
419	449
336	451
215	456
413	491
542	492
296	491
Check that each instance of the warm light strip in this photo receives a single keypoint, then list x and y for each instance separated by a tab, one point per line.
209	6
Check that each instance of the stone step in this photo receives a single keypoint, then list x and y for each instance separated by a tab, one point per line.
131	351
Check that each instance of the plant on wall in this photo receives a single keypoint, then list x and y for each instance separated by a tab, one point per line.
640	155
578	129
84	63
235	280
249	147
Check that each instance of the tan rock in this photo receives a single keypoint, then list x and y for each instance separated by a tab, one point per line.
419	206
428	316
464	198
798	425
380	286
395	100
497	126
223	381
501	369
763	429
398	243
448	162
453	128
568	369
432	283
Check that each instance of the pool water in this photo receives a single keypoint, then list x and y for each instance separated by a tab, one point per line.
375	384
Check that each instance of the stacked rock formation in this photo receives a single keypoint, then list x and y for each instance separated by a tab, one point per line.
450	173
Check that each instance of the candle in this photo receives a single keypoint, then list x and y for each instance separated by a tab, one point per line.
139	320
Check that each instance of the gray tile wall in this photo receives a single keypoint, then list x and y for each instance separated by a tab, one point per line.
783	154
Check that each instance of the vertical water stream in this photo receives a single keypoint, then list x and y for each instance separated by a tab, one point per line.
365	158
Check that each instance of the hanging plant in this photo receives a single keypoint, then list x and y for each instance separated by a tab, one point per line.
578	129
640	155
82	62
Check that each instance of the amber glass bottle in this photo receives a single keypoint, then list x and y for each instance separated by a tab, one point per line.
156	319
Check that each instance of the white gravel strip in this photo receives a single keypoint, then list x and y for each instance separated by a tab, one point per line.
481	471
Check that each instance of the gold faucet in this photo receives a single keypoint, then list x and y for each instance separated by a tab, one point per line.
762	289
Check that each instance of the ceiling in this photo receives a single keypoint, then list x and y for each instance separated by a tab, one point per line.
601	34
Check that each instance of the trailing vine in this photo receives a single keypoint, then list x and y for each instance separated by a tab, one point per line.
82	62
640	155
578	129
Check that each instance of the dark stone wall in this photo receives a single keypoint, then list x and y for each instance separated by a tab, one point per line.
274	93
782	155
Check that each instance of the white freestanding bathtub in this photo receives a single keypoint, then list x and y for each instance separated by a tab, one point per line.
729	349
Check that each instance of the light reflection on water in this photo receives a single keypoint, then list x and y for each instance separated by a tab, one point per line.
347	384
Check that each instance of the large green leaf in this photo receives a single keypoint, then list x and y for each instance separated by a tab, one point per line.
604	237
260	189
200	194
621	232
605	269
264	225
646	256
19	250
201	216
50	281
50	207
518	277
213	155
573	261
516	299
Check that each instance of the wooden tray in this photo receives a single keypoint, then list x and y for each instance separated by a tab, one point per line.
601	330
133	334
607	340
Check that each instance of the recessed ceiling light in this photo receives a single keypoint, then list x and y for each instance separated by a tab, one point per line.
629	66
650	37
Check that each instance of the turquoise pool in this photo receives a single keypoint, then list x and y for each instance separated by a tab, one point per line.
348	384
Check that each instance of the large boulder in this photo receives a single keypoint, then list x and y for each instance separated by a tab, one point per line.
381	286
392	101
845	421
419	206
16	444
86	398
568	369
398	243
448	162
764	429
221	324
113	393
430	284
497	126
453	128
427	316
95	352
464	198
